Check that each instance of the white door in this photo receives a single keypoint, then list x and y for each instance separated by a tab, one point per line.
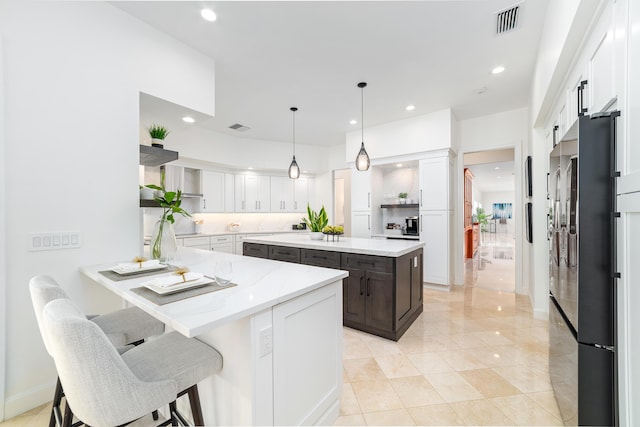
300	195
434	232
229	193
212	186
434	183
240	201
360	190
281	192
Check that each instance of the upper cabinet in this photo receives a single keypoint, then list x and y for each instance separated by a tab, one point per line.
435	183
213	191
289	195
252	193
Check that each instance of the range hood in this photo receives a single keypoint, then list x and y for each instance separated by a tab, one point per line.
155	156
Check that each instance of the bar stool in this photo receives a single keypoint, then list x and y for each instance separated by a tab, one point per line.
122	327
106	388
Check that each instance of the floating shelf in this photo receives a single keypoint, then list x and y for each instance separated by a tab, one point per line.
155	156
149	203
405	205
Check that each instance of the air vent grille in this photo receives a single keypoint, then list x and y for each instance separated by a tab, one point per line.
507	20
239	127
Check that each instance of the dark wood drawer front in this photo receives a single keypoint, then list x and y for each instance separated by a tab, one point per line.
255	250
281	253
320	258
367	262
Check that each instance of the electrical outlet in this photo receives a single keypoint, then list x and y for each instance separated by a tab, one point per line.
54	240
266	341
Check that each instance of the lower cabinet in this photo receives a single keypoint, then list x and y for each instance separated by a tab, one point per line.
381	296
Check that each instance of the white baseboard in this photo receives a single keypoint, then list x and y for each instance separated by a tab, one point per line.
27	400
437	287
540	314
330	415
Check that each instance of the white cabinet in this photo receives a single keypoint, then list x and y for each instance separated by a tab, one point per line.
229	193
223	243
360	190
301	196
601	62
361	224
252	193
212	186
289	195
435	233
435	183
197	242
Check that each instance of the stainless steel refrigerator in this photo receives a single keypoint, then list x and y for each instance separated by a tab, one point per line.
582	330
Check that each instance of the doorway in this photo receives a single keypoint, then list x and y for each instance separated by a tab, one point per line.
342	199
490	223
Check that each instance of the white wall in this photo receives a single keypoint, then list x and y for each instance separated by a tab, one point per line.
508	129
415	135
72	70
3	269
488	198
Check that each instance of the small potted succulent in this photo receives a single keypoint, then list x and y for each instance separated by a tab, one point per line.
403	198
158	134
316	221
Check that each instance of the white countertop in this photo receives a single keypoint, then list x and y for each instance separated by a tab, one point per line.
227	233
379	247
261	284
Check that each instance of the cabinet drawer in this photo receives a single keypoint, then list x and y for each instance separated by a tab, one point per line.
281	253
196	241
255	250
320	258
221	239
367	262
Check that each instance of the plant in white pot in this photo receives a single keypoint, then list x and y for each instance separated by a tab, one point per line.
158	134
316	221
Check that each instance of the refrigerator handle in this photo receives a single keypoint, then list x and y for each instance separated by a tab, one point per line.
614	208
581	109
555	135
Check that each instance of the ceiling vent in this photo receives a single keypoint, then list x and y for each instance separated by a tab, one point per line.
239	127
507	20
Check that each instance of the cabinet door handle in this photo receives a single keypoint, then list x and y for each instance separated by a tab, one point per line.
368	200
368	222
361	285
581	109
368	287
204	203
421	223
243	205
295	204
421	197
555	136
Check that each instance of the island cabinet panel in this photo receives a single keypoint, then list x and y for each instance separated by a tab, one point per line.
283	253
320	258
255	250
381	296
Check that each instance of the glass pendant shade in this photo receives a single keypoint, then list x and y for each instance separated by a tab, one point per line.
362	160
294	170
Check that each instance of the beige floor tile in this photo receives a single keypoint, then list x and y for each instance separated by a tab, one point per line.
453	387
397	365
375	396
416	391
366	369
461	360
354	348
436	415
397	417
467	340
481	412
547	399
525	411
429	363
350	420
495	356
525	378
493	338
345	377
382	347
348	402
488	383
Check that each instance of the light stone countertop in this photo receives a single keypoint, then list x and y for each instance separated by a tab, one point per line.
379	247
262	283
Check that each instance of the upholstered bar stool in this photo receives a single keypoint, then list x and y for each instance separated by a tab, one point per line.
105	388
122	327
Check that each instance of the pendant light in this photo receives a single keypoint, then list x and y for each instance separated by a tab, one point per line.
362	160
294	170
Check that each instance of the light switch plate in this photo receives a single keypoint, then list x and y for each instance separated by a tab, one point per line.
54	240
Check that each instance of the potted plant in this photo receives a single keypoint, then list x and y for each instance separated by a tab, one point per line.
482	218
163	239
316	221
403	198
158	134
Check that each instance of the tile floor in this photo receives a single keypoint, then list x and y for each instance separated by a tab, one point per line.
474	357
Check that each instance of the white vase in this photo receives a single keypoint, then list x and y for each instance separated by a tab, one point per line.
163	241
155	142
316	235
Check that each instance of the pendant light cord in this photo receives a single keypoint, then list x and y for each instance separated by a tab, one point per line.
294	134
362	112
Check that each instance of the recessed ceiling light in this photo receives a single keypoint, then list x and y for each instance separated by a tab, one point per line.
399	165
250	168
410	107
353	122
208	14
499	177
188	119
497	167
305	171
497	70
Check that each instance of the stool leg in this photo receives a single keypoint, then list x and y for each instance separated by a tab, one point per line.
154	414
196	409
172	412
68	416
55	407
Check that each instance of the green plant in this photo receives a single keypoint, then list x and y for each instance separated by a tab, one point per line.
316	221
403	195
158	132
482	218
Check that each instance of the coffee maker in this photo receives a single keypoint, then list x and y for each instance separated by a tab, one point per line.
411	226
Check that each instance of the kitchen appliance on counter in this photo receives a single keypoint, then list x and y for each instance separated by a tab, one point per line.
411	226
582	230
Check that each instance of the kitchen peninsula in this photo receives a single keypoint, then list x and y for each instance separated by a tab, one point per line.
383	293
279	331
